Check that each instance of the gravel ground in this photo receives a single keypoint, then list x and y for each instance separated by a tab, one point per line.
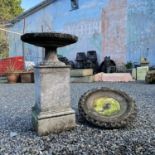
17	136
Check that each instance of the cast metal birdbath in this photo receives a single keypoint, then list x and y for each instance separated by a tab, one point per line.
52	112
50	41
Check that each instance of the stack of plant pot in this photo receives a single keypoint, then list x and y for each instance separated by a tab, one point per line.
82	75
80	60
92	61
85	62
150	77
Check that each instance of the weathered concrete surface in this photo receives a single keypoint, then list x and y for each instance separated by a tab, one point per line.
46	123
85	79
81	72
52	111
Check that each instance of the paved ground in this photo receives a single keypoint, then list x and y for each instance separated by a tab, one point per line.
17	135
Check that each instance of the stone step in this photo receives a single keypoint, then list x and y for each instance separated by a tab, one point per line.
86	79
81	72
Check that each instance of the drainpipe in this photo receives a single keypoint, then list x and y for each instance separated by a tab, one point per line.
43	50
23	48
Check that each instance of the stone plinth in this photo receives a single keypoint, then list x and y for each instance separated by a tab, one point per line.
52	112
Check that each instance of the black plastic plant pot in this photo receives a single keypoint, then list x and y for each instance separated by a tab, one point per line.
91	55
107	108
80	65
81	56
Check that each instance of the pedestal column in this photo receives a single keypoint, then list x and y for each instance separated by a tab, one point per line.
52	112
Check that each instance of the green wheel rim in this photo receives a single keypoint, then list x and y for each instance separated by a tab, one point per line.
106	106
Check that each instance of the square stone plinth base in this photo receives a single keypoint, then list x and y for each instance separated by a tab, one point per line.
45	123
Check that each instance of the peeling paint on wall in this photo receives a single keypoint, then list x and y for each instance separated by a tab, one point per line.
89	34
121	29
141	30
114	30
84	22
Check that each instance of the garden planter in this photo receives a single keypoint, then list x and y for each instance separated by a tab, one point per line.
12	77
27	77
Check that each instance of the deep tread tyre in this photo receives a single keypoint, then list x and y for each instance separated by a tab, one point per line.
119	118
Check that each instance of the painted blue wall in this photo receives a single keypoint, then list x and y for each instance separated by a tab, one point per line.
141	30
84	22
87	23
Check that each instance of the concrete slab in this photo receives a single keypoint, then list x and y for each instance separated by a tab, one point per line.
81	72
86	79
113	77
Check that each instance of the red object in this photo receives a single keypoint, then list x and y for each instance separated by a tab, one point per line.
17	62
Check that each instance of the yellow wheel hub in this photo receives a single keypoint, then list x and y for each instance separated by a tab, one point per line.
106	106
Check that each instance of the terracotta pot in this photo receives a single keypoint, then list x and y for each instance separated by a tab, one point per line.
12	77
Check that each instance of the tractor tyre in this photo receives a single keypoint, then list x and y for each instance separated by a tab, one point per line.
107	108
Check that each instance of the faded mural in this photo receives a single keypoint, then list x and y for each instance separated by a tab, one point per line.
121	29
114	18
